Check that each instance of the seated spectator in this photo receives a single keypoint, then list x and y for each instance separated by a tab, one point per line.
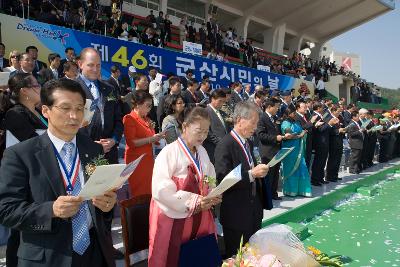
122	32
14	62
212	54
133	34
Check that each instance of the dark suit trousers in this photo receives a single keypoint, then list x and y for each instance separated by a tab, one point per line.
93	255
12	248
318	165
333	164
273	179
355	160
232	238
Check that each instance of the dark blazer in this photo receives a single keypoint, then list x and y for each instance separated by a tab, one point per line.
30	183
239	199
161	110
200	97
126	84
356	137
321	135
119	87
267	131
346	117
113	127
235	98
190	100
40	65
61	68
6	63
216	132
22	123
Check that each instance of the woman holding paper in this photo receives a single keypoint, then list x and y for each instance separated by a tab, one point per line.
140	136
22	122
296	179
181	178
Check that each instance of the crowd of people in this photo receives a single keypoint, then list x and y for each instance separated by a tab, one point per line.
200	134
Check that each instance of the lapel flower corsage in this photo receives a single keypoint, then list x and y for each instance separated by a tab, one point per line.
98	161
210	181
111	97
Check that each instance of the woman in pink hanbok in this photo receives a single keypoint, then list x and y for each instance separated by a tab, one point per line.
178	210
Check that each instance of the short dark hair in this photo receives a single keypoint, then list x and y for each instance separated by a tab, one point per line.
46	94
30	47
68	49
140	96
69	64
204	82
269	102
53	56
216	94
189	71
259	94
173	80
139	76
17	82
192	82
227	91
298	103
354	114
1	44
114	69
317	105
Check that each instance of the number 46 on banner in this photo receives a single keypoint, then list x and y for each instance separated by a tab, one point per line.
137	60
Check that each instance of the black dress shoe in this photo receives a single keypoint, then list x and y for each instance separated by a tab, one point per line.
325	182
118	255
333	180
339	179
276	198
316	184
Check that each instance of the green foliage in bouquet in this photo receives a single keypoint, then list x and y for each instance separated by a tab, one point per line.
98	161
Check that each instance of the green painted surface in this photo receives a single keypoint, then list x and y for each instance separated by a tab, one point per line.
366	229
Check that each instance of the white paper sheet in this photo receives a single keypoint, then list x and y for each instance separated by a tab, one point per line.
4	76
107	177
280	156
88	113
229	180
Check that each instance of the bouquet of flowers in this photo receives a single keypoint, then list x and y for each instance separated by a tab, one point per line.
249	256
323	258
91	166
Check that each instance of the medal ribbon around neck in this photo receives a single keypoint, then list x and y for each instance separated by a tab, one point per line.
242	145
68	183
195	160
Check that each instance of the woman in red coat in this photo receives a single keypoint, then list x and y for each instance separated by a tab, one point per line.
140	136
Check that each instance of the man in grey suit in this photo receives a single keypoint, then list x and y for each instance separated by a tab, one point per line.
40	180
218	128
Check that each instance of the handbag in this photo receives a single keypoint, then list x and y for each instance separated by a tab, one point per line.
200	252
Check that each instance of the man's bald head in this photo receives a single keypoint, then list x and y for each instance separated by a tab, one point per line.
90	63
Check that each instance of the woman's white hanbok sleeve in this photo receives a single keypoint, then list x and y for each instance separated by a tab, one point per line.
173	202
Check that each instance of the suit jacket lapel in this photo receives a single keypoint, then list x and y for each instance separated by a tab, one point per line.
49	163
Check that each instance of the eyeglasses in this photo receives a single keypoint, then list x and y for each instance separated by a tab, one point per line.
69	109
15	56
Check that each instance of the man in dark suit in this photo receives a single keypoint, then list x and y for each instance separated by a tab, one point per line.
203	94
218	128
347	114
372	138
245	197
106	127
308	125
189	95
286	101
247	92
184	80
26	62
4	62
356	139
119	89
321	145
236	93
40	182
270	139
34	52
336	136
69	56
128	80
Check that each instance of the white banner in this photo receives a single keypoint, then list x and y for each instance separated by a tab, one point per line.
192	48
264	68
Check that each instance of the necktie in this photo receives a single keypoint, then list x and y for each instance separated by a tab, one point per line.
93	91
253	184
80	223
220	118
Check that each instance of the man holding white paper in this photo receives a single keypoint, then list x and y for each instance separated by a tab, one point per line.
40	182
241	207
